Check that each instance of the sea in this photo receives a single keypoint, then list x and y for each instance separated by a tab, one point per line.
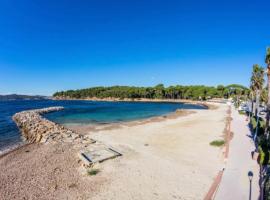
80	112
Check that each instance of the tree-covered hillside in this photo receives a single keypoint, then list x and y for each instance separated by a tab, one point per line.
195	92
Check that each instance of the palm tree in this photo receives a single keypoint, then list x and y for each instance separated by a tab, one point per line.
252	94
264	95
267	61
257	81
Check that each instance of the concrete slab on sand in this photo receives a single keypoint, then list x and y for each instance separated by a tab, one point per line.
99	154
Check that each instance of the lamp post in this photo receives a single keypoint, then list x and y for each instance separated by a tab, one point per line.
250	176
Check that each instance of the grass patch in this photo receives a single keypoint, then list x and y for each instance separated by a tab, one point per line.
217	143
93	172
241	112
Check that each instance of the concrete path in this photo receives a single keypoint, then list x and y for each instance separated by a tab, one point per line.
235	183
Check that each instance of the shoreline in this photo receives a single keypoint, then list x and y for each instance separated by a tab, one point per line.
35	128
108	126
117	125
11	148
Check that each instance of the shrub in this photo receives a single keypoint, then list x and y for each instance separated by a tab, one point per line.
261	125
267	189
241	112
253	123
262	141
262	156
92	172
217	143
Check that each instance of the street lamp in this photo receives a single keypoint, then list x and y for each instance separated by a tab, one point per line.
250	176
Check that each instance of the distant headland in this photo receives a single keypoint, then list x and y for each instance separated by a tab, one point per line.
22	97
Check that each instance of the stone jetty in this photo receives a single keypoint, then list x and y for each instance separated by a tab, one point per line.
37	129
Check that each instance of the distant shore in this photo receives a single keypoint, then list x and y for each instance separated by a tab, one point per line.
187	101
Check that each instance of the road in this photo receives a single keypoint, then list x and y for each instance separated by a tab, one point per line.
235	184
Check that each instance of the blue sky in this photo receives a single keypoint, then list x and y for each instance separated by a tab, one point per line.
47	46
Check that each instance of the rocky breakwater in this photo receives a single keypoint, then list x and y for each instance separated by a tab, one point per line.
35	128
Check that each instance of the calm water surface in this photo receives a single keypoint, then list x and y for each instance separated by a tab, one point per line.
81	112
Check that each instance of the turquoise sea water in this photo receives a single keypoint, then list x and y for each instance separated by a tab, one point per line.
81	112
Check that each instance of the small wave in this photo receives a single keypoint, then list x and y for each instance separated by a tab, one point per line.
10	148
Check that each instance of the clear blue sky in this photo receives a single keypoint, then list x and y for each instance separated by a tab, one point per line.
52	45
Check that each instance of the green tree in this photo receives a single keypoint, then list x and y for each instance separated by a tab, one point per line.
264	96
221	90
159	91
195	92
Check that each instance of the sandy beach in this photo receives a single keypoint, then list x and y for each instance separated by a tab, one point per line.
163	159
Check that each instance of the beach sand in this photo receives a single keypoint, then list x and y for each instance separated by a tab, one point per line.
163	159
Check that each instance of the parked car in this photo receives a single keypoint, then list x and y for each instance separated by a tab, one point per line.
262	112
243	108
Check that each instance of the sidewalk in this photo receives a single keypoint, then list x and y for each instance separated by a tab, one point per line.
235	183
